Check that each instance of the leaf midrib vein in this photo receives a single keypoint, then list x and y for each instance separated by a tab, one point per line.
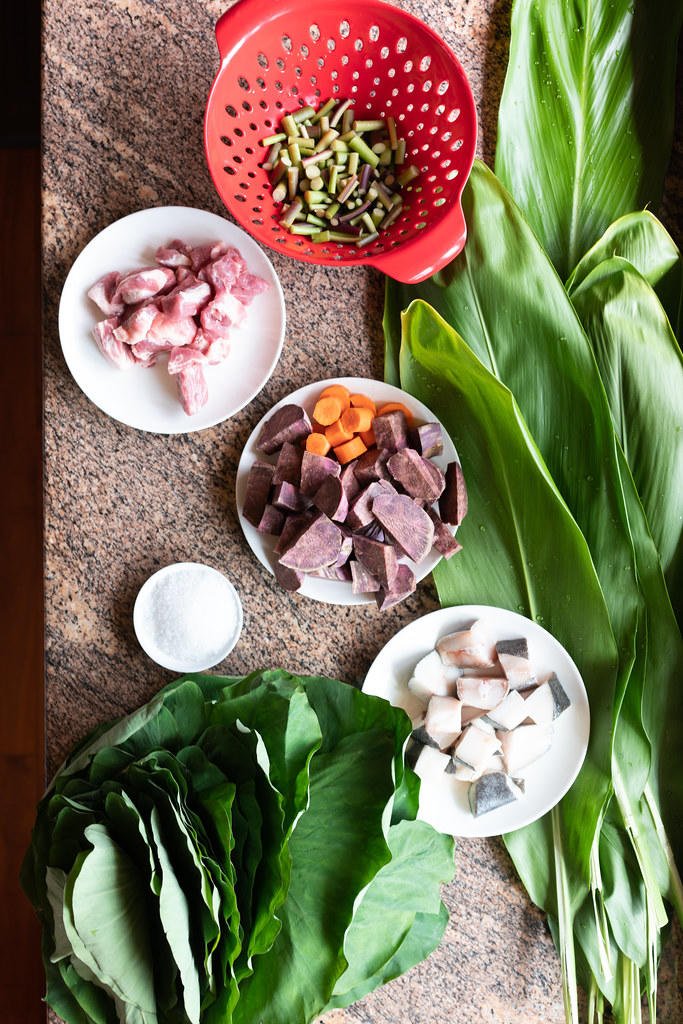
580	143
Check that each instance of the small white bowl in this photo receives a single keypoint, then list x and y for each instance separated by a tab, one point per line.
156	596
443	800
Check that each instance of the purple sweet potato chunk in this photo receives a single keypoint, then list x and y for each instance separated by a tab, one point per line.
290	579
453	501
391	430
288	466
360	511
346	548
426	439
316	546
418	477
444	541
334	572
379	559
349	481
314	470
363	582
371	466
272	520
331	499
288	497
403	587
373	530
258	491
294	526
290	423
406	523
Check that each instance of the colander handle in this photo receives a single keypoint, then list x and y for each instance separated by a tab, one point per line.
232	26
424	255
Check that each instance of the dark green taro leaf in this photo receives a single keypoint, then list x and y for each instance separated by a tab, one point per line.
586	117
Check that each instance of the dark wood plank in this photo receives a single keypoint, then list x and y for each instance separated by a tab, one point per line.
21	621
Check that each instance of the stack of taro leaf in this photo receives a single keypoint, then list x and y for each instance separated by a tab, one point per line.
565	402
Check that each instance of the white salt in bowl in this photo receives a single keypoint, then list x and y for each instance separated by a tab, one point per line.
187	617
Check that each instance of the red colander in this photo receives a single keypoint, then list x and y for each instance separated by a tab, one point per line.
389	62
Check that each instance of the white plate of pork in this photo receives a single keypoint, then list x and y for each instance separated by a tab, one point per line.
500	716
362	531
171	319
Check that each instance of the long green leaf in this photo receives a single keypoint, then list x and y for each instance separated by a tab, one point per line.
586	117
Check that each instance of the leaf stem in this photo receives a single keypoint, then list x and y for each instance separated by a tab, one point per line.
639	847
565	918
676	893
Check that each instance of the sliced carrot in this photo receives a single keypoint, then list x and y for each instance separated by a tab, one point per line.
327	410
357	419
337	391
368	438
350	450
336	433
397	407
363	402
317	444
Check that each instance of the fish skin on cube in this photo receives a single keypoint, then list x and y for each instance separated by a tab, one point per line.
485	692
463	773
491	791
144	284
257	492
513	655
331	499
363	581
111	348
378	559
444	541
314	471
426	439
419	478
547	702
431	676
475	748
510	713
468	648
453	501
404	586
391	430
406	523
524	745
442	721
192	388
288	465
317	546
289	423
103	294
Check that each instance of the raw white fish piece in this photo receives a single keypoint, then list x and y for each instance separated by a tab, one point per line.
514	659
485	692
547	702
463	772
510	713
468	648
431	676
491	791
524	745
442	721
431	764
475	748
481	723
470	714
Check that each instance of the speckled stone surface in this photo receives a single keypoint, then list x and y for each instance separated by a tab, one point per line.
125	83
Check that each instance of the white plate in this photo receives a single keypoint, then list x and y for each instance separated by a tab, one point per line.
443	800
332	591
146	398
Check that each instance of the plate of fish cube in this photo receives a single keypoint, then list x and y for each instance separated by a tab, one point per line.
349	491
500	716
171	319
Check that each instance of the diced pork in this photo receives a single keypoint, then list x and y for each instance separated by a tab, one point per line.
186	299
114	350
144	284
175	254
248	286
103	294
192	389
170	333
182	357
136	326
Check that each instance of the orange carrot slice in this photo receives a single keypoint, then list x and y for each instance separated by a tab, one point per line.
317	444
350	450
357	419
363	402
327	410
337	391
368	438
397	407
336	433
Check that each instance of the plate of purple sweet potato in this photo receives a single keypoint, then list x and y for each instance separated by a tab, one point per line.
349	491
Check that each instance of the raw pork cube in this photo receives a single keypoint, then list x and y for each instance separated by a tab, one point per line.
116	352
144	284
174	254
103	294
186	299
192	389
248	286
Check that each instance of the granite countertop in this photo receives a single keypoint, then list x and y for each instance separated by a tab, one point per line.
125	84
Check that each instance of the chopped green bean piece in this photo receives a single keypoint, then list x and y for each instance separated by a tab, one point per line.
271	139
365	153
368	126
313	197
386	157
368	221
332	210
324	124
349	186
296	140
323	111
337	116
303	229
292	181
347	136
339	236
332	179
303	113
288	124
379	148
353	163
312	219
401	151
321	236
392	216
391	128
294	153
279	192
325	139
303	131
378	214
290	213
277	172
348	119
338	146
317	184
311	170
341	159
367	239
406	176
316	158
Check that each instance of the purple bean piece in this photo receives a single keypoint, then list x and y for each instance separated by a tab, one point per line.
272	521
404	586
316	546
363	581
406	523
314	470
289	579
426	439
444	541
453	501
418	477
288	466
258	491
288	497
290	423
379	560
331	499
391	430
